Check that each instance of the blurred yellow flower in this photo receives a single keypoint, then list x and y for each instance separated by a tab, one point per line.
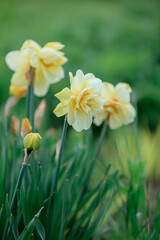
18	91
32	141
47	61
81	101
117	109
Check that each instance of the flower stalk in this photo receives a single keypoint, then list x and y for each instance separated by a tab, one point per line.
30	75
97	151
59	157
17	188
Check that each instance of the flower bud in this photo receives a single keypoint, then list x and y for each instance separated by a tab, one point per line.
15	125
26	127
39	113
11	102
32	141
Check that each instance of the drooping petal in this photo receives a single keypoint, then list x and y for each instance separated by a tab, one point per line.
18	79
76	125
64	95
84	120
16	60
122	92
114	121
129	113
41	84
61	110
99	118
53	74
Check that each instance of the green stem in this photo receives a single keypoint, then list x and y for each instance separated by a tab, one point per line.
14	199
56	176
97	151
18	186
30	97
54	188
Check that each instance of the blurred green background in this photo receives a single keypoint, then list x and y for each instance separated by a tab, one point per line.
119	41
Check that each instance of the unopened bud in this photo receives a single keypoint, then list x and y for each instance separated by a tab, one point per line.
15	125
32	141
11	102
58	145
39	113
26	127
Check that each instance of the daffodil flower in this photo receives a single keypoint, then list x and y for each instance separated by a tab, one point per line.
81	101
117	109
47	62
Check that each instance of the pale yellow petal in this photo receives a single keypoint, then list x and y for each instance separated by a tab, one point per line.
107	90
114	121
129	113
16	60
100	118
49	55
78	82
41	84
54	45
122	92
76	125
83	119
53	74
71	110
64	95
95	84
18	79
30	46
61	110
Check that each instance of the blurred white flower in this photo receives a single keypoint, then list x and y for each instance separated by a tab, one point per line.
117	109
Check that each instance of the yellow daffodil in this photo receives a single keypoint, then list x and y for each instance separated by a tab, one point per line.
81	101
18	91
117	109
47	62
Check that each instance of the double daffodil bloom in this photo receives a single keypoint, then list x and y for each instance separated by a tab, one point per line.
117	109
47	62
81	101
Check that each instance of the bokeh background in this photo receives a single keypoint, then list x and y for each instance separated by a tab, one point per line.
119	41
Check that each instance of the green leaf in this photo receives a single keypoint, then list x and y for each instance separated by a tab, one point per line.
40	229
14	227
1	210
30	227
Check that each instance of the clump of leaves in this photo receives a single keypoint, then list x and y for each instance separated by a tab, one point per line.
74	211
